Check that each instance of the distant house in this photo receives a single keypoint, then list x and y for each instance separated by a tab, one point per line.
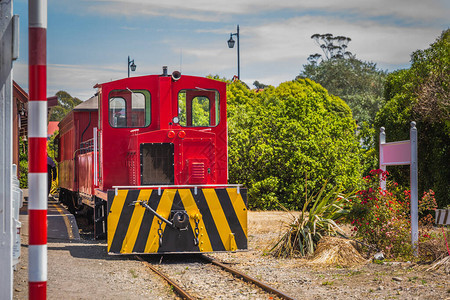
20	118
51	128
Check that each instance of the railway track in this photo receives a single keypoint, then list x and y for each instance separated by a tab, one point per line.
203	277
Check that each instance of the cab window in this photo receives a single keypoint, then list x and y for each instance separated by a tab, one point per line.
129	108
198	108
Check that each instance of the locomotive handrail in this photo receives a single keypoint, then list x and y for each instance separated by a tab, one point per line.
159	187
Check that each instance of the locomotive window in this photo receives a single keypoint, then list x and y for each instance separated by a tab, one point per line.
198	108
129	108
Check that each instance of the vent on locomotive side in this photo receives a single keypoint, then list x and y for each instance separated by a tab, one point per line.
197	171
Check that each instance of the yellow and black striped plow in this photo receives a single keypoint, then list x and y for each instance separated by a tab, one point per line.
217	220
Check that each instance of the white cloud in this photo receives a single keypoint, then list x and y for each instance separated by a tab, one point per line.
205	10
77	80
282	47
275	37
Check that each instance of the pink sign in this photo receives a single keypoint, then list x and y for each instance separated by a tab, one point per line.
396	153
403	153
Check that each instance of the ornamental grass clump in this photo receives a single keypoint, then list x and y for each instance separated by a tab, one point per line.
318	218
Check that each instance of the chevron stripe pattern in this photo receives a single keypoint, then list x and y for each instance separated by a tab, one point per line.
442	216
217	220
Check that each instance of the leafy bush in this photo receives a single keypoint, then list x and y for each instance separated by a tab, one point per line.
382	217
23	174
23	163
287	140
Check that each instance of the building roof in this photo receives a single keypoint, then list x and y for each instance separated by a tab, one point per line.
51	128
90	104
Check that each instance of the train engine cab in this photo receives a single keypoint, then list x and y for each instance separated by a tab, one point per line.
155	171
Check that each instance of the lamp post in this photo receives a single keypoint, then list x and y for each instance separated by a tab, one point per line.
231	45
131	66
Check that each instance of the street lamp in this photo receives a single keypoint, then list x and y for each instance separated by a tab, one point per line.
231	45
131	66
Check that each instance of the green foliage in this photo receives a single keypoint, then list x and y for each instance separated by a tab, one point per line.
368	153
51	147
259	85
285	141
358	83
421	94
325	209
382	217
65	104
23	163
334	47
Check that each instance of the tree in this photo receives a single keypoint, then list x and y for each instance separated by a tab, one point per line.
259	85
358	83
421	94
65	104
286	142
332	47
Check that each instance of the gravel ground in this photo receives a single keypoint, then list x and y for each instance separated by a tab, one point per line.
83	270
206	281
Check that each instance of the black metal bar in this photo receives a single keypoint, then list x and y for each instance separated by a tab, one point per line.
147	207
238	55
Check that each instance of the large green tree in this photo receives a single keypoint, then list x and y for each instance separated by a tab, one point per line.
65	104
286	142
358	83
421	94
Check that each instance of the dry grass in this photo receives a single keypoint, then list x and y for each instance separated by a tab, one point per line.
443	264
433	248
338	252
263	222
264	227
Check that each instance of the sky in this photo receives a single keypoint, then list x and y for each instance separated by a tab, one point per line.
89	42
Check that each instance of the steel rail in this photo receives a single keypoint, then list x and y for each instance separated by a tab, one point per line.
179	290
247	278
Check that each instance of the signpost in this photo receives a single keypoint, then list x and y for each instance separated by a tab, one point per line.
403	153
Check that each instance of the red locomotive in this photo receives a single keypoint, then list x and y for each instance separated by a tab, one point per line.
149	156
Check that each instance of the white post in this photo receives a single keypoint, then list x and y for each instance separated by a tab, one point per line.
37	153
414	189
382	166
8	52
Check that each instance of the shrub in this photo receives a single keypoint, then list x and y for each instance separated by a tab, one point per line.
382	217
287	140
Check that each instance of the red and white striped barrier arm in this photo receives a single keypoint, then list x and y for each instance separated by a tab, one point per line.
37	149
